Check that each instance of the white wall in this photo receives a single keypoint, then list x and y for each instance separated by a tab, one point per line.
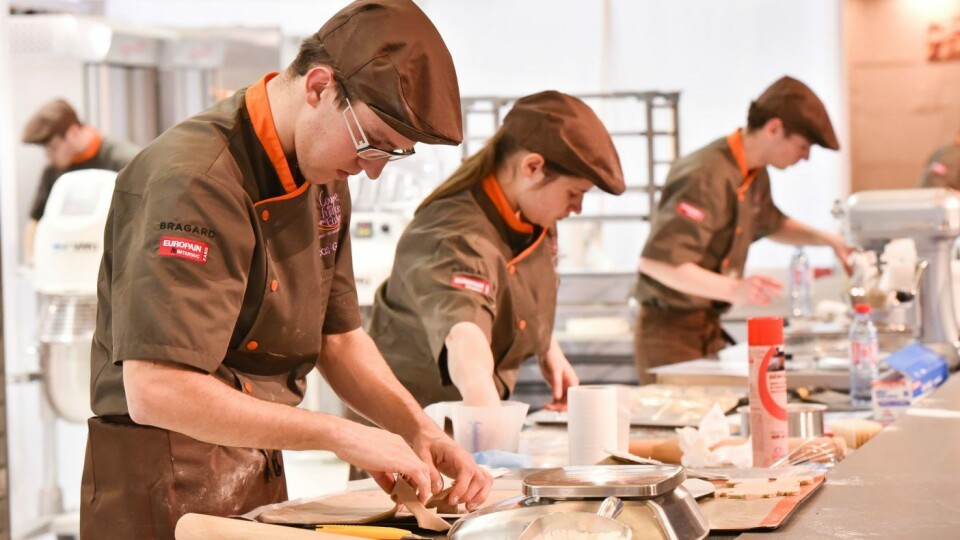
902	105
721	55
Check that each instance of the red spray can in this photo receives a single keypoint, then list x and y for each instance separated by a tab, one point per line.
768	390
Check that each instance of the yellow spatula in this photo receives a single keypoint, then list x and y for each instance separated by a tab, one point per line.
371	531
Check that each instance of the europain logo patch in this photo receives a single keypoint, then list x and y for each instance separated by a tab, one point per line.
470	283
690	211
183	248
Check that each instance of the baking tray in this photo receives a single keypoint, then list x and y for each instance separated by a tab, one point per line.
729	515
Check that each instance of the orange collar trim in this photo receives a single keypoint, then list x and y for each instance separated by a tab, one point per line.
262	119
491	186
91	149
735	141
533	247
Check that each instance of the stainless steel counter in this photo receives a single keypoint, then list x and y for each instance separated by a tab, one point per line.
904	483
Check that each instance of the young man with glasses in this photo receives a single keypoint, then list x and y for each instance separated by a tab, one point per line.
70	146
227	277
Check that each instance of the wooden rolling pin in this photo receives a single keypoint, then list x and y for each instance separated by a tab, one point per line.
202	527
668	450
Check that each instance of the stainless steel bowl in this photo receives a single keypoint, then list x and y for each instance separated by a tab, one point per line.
668	516
804	420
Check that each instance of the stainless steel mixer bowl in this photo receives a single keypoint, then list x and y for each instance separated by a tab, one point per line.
804	420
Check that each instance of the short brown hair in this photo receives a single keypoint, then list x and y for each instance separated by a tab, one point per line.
51	120
312	53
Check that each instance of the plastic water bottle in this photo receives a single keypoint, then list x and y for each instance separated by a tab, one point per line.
800	303
863	356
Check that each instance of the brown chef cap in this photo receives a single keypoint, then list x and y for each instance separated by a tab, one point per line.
566	132
394	60
800	110
51	120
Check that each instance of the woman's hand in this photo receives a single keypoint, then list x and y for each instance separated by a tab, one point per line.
559	375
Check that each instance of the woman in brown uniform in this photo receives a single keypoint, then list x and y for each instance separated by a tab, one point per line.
715	203
473	288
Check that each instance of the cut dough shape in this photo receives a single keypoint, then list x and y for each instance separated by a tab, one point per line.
761	488
404	494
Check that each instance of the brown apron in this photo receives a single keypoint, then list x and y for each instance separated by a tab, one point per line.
173	475
669	336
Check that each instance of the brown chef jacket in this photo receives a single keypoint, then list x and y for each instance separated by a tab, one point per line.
220	257
711	210
103	153
466	258
943	168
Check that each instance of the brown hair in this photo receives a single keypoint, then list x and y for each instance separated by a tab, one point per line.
312	53
758	116
479	166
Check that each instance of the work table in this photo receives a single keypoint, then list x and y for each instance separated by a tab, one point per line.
904	483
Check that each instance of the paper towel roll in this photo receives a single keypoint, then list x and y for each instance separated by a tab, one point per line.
592	422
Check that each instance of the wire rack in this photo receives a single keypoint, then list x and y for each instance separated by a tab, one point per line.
644	126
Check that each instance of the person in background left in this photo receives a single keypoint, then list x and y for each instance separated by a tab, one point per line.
943	167
70	146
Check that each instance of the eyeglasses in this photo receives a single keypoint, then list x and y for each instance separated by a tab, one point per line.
364	149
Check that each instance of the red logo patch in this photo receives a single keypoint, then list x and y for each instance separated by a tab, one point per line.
183	248
938	168
690	211
470	284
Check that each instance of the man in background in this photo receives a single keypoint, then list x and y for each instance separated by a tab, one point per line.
943	167
716	202
70	146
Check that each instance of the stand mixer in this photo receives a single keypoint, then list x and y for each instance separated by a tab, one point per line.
67	252
931	218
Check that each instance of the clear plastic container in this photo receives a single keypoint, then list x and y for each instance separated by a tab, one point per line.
801	304
863	356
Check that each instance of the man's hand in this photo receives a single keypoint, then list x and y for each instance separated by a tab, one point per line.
843	252
559	374
382	454
756	290
472	483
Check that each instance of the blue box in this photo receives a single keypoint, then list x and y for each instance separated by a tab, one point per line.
915	372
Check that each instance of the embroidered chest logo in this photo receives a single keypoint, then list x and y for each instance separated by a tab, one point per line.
470	283
329	210
691	212
183	248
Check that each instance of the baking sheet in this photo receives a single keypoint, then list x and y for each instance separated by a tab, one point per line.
664	405
360	506
724	514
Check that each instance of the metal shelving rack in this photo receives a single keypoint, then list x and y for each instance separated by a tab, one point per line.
647	127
